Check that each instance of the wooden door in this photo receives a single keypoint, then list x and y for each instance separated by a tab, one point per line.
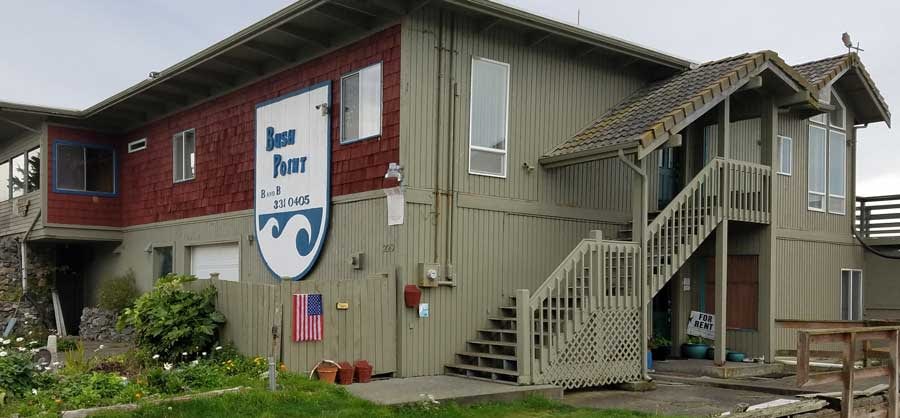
743	291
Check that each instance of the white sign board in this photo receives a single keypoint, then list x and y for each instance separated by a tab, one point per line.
702	325
293	179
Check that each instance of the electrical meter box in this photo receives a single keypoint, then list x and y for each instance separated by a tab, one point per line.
429	274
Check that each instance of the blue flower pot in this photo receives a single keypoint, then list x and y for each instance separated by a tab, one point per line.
735	356
696	351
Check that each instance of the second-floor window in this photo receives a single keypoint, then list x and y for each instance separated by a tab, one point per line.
361	104
183	156
827	169
785	155
488	118
81	168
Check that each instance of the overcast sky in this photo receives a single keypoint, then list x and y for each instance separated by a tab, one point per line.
74	54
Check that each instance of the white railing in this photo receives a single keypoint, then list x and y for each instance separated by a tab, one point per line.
596	275
693	214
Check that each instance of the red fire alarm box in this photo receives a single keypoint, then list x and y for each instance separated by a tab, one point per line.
412	295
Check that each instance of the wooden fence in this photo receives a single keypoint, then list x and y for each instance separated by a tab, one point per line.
367	329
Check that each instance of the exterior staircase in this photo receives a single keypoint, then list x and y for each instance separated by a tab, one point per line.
582	326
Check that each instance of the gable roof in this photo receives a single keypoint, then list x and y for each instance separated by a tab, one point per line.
825	72
658	110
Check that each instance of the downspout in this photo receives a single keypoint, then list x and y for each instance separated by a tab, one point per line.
642	173
451	161
437	136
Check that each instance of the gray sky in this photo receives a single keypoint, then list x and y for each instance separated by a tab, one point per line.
74	54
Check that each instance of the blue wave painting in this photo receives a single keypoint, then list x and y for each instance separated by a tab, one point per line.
306	238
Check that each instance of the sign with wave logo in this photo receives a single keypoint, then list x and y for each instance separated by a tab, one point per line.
293	180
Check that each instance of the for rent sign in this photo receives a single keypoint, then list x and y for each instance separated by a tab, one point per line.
702	325
293	180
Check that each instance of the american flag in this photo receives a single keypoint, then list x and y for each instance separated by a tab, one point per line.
308	320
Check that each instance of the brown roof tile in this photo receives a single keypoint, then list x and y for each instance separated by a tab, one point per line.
653	111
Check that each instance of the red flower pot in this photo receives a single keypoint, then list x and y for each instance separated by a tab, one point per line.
345	373
363	371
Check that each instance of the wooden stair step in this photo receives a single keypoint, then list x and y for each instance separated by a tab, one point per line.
498	330
505	382
489	342
487	355
483	369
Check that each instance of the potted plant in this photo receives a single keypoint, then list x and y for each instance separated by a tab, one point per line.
695	348
661	347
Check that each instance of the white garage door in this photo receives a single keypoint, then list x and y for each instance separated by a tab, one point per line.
224	259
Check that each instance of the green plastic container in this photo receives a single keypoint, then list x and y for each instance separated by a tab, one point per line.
696	351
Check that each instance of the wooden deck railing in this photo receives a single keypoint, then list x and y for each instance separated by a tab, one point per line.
848	338
878	216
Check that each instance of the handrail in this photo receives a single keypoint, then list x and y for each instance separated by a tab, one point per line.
597	274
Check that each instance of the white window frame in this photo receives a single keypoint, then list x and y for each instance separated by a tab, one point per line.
824	171
843	113
842	210
141	144
380	101
790	168
179	159
505	150
192	247
853	296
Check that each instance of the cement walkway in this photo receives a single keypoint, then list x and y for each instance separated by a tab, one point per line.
443	388
669	399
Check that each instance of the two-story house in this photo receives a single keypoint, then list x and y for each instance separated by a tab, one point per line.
555	195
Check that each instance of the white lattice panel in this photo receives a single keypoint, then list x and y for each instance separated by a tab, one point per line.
606	350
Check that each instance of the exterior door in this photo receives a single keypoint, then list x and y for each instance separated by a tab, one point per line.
743	291
669	179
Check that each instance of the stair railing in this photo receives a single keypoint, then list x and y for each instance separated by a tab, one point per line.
597	274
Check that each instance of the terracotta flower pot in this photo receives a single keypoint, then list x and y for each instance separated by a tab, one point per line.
327	372
345	373
363	371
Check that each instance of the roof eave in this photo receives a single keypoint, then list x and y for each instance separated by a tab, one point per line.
573	32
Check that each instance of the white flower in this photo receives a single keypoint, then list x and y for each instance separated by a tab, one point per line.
167	366
156	356
35	350
21	349
4	342
203	353
20	339
34	392
219	347
195	362
184	353
30	332
55	363
33	342
3	353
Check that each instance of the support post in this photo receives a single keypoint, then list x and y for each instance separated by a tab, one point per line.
721	290
524	336
724	128
768	256
849	358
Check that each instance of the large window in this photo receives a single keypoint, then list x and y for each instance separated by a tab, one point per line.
851	295
183	156
488	118
221	259
82	168
785	155
361	104
827	173
33	158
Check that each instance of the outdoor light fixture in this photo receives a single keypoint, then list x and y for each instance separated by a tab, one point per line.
395	171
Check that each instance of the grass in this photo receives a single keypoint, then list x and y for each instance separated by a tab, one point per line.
302	398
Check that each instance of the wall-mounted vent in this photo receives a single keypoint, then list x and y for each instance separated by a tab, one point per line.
135	146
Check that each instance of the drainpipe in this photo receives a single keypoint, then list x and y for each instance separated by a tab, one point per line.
24	252
639	232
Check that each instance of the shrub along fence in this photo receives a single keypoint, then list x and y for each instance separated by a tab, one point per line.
365	329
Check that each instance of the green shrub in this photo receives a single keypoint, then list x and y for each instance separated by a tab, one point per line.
89	389
66	344
16	373
175	323
118	293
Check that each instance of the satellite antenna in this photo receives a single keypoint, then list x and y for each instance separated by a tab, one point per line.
849	44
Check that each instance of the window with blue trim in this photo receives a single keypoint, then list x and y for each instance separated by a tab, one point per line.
84	168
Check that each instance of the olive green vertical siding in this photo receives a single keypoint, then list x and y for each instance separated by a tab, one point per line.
881	297
12	223
356	227
792	212
807	283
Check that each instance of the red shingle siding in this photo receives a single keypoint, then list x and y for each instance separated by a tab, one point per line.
225	141
64	208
